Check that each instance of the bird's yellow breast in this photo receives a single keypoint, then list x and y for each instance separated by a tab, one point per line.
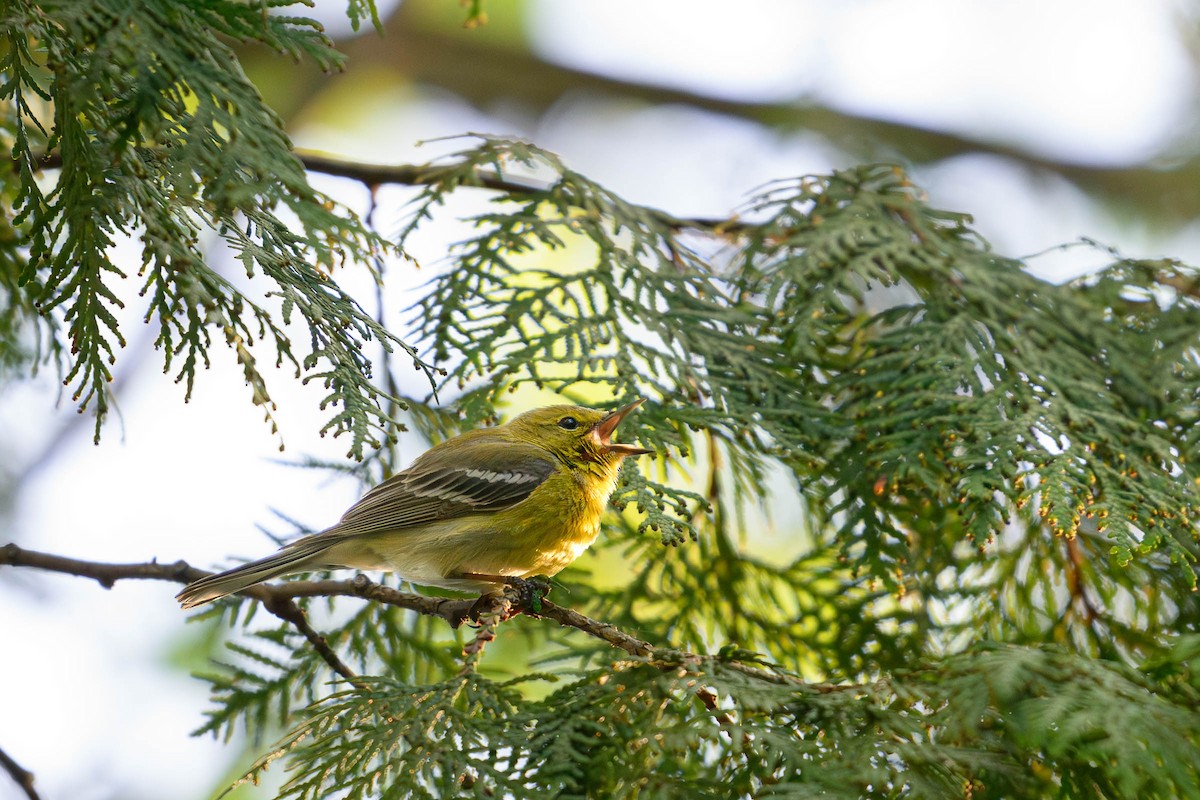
580	498
521	541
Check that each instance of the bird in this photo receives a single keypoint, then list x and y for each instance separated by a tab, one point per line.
516	500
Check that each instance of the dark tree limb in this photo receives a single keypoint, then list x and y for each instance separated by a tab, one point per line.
286	609
279	599
601	630
22	776
375	175
276	596
103	573
491	73
1076	582
278	603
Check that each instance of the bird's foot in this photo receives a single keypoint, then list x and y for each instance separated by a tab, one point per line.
519	596
527	593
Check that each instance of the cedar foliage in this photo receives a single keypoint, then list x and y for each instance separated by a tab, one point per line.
992	592
160	135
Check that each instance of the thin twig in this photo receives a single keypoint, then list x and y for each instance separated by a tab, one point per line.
1075	566
601	630
453	610
373	175
710	700
105	574
408	174
22	776
287	610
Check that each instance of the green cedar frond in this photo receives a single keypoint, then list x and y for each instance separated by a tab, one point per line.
961	430
993	722
161	136
614	323
260	691
397	741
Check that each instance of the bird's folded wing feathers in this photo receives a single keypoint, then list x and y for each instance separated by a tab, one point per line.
495	476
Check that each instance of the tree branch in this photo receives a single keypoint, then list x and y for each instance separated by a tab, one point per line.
403	174
278	603
375	175
22	776
370	174
279	599
601	630
103	573
490	73
1075	567
287	610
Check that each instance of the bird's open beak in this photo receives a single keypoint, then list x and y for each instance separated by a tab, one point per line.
604	431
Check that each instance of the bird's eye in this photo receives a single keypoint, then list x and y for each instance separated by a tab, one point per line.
568	423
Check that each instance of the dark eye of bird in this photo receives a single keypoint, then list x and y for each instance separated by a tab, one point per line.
568	423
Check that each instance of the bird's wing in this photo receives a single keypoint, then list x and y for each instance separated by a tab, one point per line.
490	477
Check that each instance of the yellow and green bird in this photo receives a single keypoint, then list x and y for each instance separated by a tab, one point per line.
515	500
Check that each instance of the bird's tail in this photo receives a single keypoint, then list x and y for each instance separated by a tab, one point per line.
299	556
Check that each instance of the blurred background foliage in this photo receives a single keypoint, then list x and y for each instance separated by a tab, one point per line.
925	520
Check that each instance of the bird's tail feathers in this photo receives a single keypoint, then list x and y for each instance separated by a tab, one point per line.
298	557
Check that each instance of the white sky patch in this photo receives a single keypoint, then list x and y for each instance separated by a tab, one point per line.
1085	80
749	51
332	16
1092	81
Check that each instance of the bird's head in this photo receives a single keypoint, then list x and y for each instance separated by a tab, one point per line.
577	432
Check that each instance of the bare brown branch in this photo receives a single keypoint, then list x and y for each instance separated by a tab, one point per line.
287	610
103	573
375	175
1075	568
277	596
279	599
491	73
22	776
601	630
278	603
369	174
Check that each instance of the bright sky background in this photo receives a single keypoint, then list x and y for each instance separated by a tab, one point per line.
1093	81
89	706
